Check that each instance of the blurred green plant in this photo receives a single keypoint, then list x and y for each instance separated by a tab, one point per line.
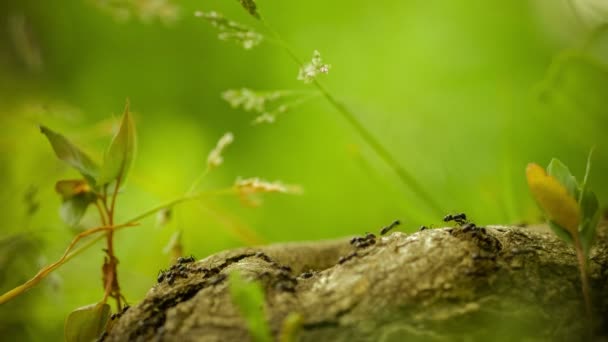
248	297
571	209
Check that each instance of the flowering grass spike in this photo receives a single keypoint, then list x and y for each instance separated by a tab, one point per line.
309	72
231	30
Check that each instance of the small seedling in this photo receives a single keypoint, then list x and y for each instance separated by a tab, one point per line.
100	186
571	209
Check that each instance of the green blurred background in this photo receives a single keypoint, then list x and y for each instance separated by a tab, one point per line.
463	93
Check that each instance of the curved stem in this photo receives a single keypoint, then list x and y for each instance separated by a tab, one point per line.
405	177
64	258
179	200
110	266
67	256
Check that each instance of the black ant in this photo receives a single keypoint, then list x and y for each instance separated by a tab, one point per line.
458	218
469	226
182	260
161	276
306	275
389	227
285	268
362	242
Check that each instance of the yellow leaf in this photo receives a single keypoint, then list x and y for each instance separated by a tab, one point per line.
553	198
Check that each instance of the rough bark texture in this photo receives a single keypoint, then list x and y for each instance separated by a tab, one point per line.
497	283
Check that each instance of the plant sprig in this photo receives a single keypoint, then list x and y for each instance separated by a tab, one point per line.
100	186
571	209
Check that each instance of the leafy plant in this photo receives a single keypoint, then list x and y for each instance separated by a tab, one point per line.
571	209
100	186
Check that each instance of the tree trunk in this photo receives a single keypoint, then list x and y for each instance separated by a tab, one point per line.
484	284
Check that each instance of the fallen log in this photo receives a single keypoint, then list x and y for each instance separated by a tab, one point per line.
496	283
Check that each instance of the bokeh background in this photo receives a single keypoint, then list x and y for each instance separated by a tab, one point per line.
463	93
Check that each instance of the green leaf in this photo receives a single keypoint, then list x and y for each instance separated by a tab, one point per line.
590	211
251	7
561	172
249	298
73	209
561	232
87	323
583	187
120	155
71	154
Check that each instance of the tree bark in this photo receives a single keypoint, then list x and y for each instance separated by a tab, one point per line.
484	284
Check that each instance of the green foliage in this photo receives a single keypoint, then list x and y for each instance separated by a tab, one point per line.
87	323
588	205
590	210
591	218
73	209
430	111
560	231
72	155
559	171
77	195
249	298
120	155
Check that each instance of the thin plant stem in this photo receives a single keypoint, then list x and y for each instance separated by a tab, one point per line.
102	216
405	177
45	271
198	180
179	200
582	265
64	258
